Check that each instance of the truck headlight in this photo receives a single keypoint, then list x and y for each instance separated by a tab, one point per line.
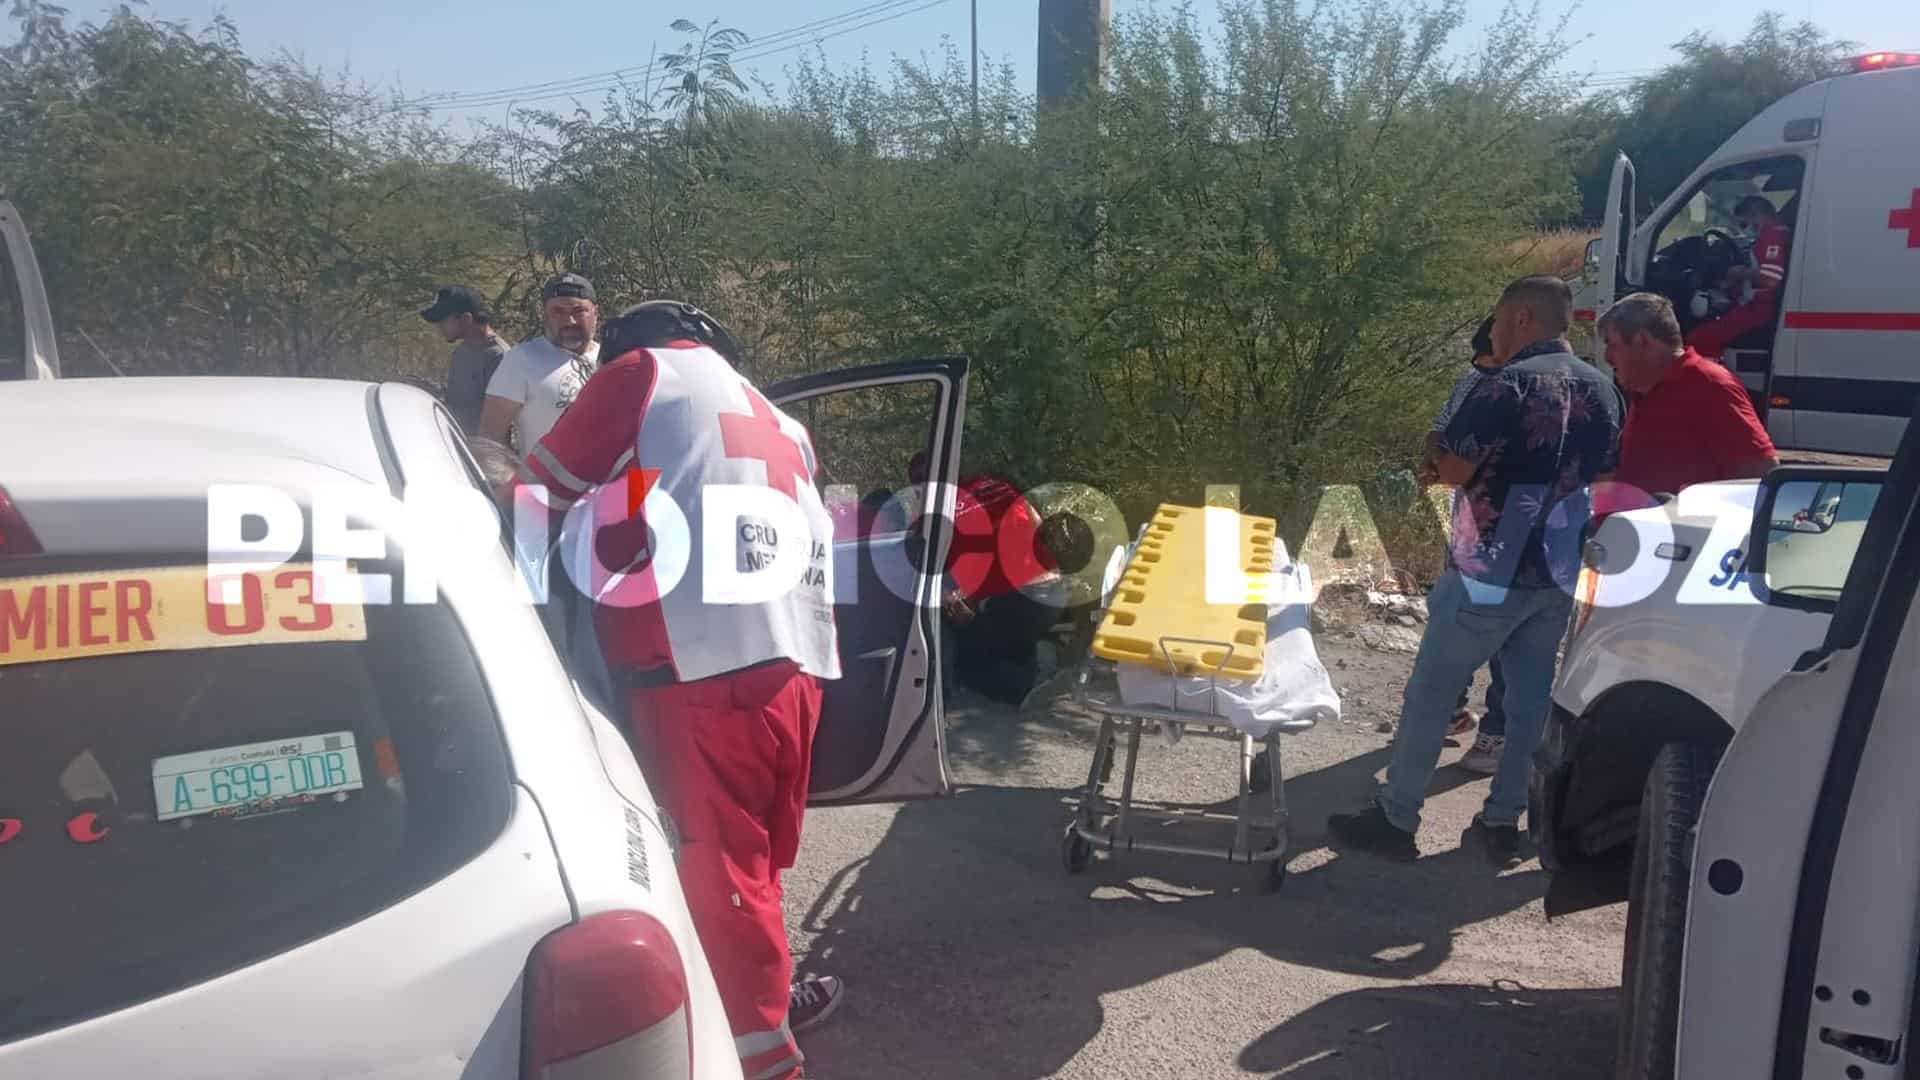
1584	591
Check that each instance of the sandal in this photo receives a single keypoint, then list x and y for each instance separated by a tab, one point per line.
1464	720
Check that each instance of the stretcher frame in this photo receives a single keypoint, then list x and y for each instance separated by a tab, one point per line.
1100	823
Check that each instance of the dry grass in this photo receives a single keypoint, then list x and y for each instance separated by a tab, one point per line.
1560	252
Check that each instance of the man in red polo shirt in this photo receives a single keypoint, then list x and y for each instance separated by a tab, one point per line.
1690	420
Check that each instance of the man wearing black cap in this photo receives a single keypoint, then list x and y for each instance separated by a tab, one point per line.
539	378
463	319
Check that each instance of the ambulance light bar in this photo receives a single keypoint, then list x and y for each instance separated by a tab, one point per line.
1882	60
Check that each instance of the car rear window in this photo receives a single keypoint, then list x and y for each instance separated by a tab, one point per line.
170	812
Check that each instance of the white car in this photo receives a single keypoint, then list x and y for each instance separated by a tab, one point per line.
291	835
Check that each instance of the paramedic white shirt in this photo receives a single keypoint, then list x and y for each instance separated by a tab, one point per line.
544	378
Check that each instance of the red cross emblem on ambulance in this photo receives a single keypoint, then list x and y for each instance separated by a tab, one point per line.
1908	218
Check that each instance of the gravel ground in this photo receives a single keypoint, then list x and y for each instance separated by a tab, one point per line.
970	953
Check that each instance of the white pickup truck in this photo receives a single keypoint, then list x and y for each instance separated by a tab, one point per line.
27	349
1673	644
1672	641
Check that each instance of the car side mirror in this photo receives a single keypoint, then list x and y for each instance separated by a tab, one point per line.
1591	261
1807	526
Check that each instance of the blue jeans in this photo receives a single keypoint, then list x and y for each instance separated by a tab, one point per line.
1468	623
1493	721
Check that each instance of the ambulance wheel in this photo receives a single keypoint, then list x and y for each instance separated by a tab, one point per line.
1075	852
1657	911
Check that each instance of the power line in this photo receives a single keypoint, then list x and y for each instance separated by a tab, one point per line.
611	80
587	85
760	54
806	29
800	35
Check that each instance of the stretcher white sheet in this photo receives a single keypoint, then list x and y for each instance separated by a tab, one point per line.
1293	684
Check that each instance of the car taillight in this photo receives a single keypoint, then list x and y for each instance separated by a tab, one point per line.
611	985
15	537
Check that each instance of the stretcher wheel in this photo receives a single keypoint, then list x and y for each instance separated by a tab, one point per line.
1260	777
1273	875
1075	852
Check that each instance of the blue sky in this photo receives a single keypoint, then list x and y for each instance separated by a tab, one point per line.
485	45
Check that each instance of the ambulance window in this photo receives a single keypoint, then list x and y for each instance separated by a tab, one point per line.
865	440
1712	204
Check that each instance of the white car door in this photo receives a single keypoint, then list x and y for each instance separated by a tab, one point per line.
882	734
1805	883
27	349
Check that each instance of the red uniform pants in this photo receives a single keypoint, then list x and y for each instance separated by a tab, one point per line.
1710	339
728	759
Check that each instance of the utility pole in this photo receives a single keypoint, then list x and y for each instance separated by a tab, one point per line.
1073	50
973	11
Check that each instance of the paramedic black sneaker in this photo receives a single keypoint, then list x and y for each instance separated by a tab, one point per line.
1371	832
1499	843
811	1001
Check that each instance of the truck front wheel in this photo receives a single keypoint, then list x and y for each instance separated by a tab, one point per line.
1657	910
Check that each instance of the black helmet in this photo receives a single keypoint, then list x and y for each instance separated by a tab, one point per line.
658	322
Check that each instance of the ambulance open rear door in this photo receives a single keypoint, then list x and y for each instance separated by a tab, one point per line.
1615	276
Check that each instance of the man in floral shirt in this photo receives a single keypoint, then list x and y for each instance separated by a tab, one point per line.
1523	448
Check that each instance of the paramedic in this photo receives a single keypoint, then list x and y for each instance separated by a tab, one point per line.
723	688
1772	247
1692	421
1522	449
1004	589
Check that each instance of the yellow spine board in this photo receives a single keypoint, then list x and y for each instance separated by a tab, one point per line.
1162	595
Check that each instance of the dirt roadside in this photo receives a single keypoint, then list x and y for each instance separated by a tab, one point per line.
970	953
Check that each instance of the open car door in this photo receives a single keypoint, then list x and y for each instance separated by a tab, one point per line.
26	323
1801	947
882	734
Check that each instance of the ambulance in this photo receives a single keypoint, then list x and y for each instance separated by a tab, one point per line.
27	350
1840	160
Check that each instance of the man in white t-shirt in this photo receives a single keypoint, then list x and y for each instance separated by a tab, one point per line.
539	378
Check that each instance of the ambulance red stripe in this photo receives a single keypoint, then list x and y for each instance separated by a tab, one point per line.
1853	320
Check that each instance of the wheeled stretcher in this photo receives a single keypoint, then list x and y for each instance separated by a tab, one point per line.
1166	662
